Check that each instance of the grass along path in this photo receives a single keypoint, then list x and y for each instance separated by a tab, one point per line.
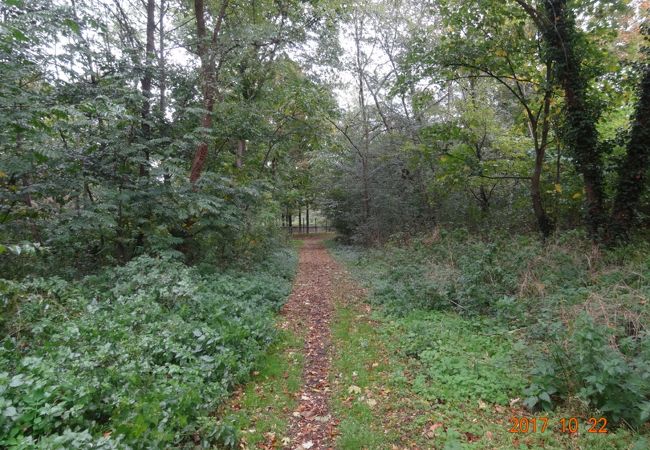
348	377
260	410
288	403
461	393
381	403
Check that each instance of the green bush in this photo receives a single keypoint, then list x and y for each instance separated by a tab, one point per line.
137	356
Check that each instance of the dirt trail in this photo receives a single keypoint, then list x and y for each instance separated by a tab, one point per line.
308	312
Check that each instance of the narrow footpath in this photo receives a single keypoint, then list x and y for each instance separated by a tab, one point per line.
308	312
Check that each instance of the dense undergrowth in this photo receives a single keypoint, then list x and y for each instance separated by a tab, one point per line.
560	324
134	357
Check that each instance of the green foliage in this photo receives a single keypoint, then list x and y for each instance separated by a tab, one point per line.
605	368
461	359
570	316
262	407
134	355
415	406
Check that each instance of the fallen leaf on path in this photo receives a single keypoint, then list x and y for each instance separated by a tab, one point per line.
308	444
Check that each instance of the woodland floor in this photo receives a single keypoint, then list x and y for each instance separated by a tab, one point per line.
336	379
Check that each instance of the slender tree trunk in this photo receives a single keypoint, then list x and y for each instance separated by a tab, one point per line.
358	35
241	151
162	80
147	78
307	212
544	222
146	84
206	50
300	219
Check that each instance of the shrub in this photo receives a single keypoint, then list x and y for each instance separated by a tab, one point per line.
536	290
609	372
135	356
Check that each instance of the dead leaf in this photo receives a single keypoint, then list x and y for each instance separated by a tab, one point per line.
431	433
471	437
308	444
354	389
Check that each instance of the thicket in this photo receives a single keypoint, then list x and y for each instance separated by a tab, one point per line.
138	356
528	116
572	316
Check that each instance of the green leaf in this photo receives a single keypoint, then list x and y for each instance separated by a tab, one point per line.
19	35
74	26
10	412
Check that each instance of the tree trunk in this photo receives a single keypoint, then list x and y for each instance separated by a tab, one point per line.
241	150
147	80
208	78
632	173
358	36
544	222
559	30
307	212
162	76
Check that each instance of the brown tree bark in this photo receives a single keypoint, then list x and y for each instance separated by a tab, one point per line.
206	52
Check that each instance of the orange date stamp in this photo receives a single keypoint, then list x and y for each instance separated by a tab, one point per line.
566	425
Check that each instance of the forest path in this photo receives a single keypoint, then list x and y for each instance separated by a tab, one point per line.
309	312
